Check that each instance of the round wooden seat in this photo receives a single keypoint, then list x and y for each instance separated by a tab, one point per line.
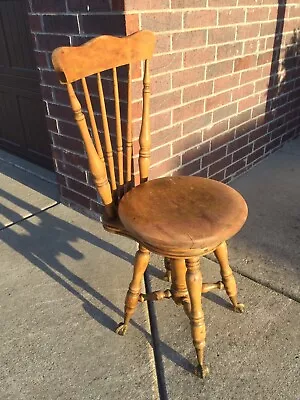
182	213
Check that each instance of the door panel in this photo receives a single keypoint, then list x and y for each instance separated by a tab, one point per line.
23	127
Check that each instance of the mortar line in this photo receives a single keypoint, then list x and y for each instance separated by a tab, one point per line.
160	374
30	216
261	282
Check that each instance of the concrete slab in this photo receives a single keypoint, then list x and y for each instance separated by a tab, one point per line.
62	289
23	193
267	248
254	355
25	165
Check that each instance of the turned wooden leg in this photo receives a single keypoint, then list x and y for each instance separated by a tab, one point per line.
167	276
179	291
194	286
140	264
227	276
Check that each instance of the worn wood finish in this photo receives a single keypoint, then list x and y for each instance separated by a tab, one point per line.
191	214
228	279
180	218
194	286
140	264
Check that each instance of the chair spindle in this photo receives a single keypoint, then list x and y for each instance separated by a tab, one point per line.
96	164
145	140
129	130
118	132
108	146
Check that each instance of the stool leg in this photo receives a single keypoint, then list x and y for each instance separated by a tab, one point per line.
140	264
221	253
194	286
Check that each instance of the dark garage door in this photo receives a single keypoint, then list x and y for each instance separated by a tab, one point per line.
23	128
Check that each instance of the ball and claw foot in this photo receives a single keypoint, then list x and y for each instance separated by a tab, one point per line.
121	329
202	371
239	308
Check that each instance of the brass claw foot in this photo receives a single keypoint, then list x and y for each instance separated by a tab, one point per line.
239	308
121	329
202	371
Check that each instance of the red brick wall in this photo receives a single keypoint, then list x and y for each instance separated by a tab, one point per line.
225	87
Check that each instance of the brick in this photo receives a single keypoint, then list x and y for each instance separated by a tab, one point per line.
166	135
188	110
265	58
162	21
203	173
268	28
199	56
238	143
60	112
213	156
251	46
189	169
50	42
219	166
216	101
81	188
240	118
243	91
76	160
96	207
35	23
221	35
88	5
221	3
57	153
163	43
110	24
41	59
224	112
75	197
218	176
68	143
49	78
231	16
196	152
255	155
272	145
235	167
243	152
245	32
164	167
222	140
249	102
196	123
188	76
165	63
160	121
229	50
185	40
197	19
68	129
257	15
186	142
214	130
161	83
218	69
132	23
71	170
47	93
60	23
49	6
199	90
60	179
188	3
246	62
160	154
166	100
226	82
261	141
146	4
250	76
51	124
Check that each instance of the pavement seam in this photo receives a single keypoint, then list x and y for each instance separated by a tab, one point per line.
30	216
160	373
261	282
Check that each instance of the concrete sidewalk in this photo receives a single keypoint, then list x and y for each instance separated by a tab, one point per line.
64	279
